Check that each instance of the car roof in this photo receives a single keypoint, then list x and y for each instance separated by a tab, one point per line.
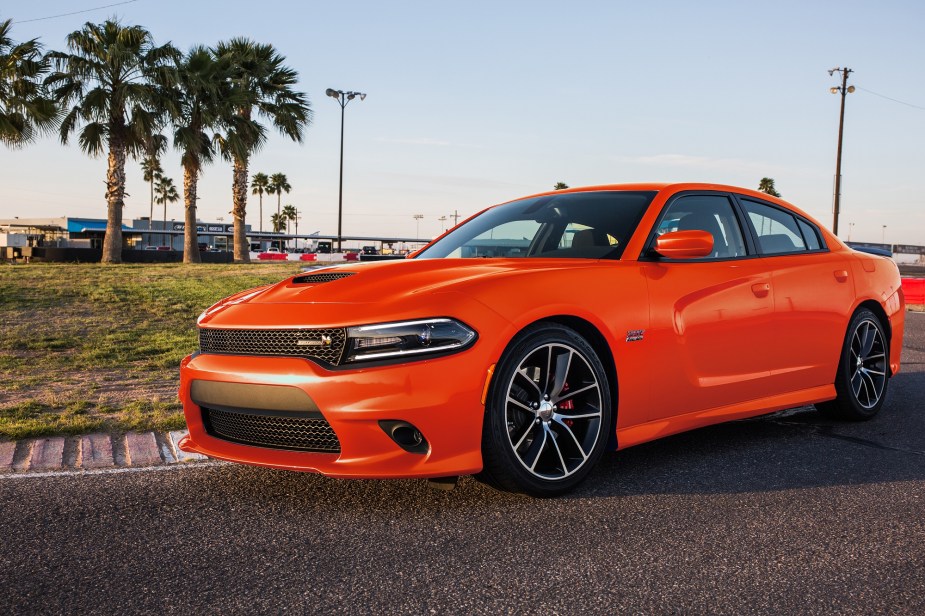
675	187
659	186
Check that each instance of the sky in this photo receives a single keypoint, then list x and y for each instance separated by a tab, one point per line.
476	103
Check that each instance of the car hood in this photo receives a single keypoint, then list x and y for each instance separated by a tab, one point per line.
378	291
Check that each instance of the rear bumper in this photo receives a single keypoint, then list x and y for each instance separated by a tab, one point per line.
440	397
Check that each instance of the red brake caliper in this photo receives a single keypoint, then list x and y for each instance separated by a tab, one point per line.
567	405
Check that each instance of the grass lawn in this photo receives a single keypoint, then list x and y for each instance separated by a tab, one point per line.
88	347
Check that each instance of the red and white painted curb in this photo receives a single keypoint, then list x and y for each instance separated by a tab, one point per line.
93	452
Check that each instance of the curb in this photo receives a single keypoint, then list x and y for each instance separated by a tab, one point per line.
94	452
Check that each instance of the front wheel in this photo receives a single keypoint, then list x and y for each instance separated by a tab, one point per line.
548	415
863	370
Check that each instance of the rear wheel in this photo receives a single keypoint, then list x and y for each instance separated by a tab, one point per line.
548	414
863	370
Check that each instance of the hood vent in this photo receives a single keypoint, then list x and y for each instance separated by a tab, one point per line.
319	278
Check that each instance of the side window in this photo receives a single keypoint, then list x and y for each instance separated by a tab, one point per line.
710	213
776	229
810	234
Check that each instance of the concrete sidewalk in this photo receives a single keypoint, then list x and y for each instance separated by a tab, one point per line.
94	451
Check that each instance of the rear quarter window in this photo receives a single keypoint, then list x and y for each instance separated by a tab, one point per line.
776	229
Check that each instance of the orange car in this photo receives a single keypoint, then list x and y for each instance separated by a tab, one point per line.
539	333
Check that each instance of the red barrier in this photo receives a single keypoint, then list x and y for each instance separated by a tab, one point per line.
272	256
309	256
914	290
352	256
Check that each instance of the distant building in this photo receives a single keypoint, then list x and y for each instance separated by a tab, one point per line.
68	232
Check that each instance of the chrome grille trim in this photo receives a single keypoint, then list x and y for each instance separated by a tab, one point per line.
275	342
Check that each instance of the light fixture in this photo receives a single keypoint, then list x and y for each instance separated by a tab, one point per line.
342	99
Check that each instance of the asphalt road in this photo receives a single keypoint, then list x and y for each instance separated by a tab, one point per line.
783	514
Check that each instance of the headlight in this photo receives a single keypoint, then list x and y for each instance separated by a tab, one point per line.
406	338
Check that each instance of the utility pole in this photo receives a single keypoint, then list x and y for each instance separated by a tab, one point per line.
843	90
455	217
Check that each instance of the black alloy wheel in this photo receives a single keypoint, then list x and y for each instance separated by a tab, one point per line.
863	370
548	414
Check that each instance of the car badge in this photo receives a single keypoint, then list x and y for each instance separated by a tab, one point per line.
324	342
635	335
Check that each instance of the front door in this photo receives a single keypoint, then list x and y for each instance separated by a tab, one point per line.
710	318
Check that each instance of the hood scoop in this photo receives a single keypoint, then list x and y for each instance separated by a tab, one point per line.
319	278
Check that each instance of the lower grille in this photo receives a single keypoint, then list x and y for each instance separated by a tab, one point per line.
277	430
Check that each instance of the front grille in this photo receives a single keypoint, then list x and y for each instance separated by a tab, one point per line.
278	430
319	278
325	345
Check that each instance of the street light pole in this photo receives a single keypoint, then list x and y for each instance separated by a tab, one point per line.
843	90
417	219
342	99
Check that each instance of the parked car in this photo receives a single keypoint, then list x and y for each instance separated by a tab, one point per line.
617	315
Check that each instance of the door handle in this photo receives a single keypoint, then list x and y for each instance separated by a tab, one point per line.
761	289
841	275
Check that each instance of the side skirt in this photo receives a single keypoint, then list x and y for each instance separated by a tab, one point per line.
649	431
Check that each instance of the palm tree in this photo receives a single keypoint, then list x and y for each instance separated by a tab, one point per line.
201	88
279	184
111	77
766	185
151	171
290	214
259	184
560	186
278	221
165	192
26	110
263	86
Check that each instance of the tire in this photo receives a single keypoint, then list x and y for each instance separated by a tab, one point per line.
863	370
548	413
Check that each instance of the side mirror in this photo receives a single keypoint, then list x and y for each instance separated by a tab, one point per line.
685	244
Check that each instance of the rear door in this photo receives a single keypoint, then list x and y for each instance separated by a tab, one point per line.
813	293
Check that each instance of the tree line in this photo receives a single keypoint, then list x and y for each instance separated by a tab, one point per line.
122	95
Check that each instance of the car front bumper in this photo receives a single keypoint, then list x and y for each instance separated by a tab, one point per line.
440	397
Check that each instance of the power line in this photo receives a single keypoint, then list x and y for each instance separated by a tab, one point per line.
890	99
25	21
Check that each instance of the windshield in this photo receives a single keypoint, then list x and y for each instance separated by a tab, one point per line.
582	225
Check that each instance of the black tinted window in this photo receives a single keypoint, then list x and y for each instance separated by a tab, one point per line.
810	234
710	213
776	229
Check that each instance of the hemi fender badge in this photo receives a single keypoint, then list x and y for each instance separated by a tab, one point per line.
634	335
